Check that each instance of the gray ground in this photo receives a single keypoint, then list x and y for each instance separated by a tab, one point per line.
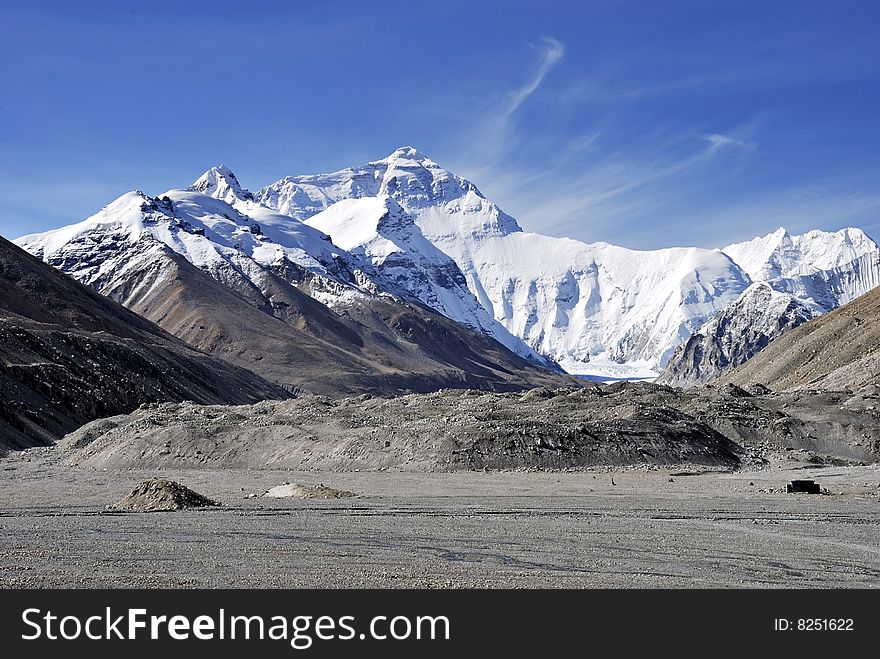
495	529
622	424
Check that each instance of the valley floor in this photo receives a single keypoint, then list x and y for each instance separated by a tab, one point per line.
589	528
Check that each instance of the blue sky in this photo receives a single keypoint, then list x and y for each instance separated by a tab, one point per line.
646	124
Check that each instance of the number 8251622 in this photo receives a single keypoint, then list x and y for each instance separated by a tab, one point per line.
814	624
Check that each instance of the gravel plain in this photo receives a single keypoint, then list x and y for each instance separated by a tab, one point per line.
635	527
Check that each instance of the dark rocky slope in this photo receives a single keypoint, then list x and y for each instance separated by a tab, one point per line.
69	355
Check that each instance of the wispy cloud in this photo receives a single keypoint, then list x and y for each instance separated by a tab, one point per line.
718	141
608	182
551	52
617	195
493	133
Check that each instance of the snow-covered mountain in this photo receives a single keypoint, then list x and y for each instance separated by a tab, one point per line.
404	228
221	183
288	276
825	290
824	269
595	308
797	279
378	230
210	234
387	239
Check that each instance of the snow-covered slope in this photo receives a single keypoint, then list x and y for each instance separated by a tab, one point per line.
596	308
410	177
378	229
828	289
235	248
387	239
266	236
221	183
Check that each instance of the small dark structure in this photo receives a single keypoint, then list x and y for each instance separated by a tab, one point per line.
807	487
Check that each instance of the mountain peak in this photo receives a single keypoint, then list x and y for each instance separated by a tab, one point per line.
221	183
407	153
852	234
217	172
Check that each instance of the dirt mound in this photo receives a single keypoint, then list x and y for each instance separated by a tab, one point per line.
293	491
162	494
734	392
758	389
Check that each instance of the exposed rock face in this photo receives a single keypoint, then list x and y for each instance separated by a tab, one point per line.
837	351
797	278
735	335
69	355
